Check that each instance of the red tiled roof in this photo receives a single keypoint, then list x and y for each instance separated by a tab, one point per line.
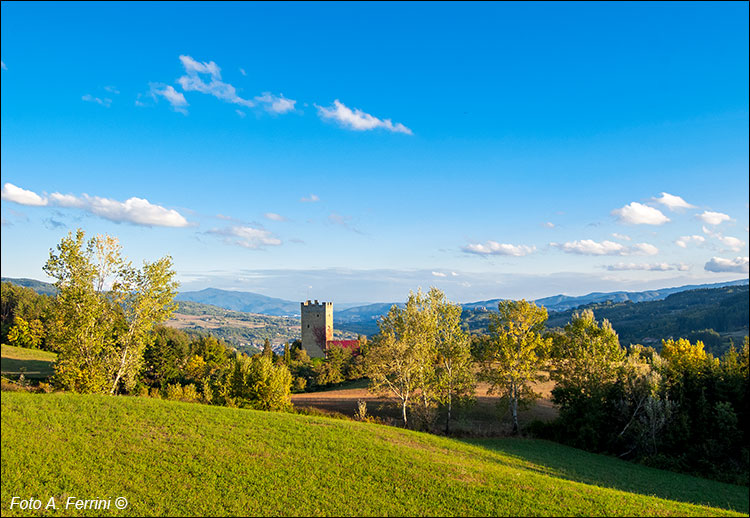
353	345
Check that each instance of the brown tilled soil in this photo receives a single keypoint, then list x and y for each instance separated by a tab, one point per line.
484	418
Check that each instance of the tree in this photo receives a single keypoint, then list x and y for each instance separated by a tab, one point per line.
105	312
259	383
453	374
267	351
398	356
586	356
515	352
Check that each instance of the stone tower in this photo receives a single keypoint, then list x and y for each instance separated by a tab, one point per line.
317	327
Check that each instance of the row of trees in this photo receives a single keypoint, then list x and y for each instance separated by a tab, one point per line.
682	409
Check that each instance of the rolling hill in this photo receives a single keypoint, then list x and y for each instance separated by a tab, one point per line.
183	459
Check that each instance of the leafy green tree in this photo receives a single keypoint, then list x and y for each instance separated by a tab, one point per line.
26	334
398	357
267	351
515	353
259	383
587	358
332	369
105	312
453	377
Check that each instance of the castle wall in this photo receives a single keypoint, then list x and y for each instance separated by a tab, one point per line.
316	316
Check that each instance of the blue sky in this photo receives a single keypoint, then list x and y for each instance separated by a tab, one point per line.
352	152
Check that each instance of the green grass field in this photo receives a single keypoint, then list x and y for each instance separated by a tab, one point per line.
171	458
33	363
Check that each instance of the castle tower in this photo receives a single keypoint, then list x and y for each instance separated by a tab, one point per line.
317	327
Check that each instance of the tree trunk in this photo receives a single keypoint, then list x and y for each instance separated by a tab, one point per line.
403	410
448	420
514	409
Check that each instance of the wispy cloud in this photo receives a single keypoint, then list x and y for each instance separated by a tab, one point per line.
240	113
621	237
343	221
721	265
112	90
274	217
673	202
653	267
638	214
246	237
495	248
275	103
713	218
242	71
439	274
2	65
21	196
174	98
732	243
357	119
548	224
310	199
591	247
193	82
134	210
684	241
91	99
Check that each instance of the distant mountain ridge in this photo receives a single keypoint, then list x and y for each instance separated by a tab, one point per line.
244	301
249	302
564	302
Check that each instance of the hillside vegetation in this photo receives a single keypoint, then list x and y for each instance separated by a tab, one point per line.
171	458
689	314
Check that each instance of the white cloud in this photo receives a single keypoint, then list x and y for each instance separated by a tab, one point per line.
548	224
357	119
133	210
246	237
176	99
732	243
112	90
192	82
240	113
684	241
713	218
275	103
495	248
242	71
438	274
21	196
274	217
311	199
103	102
454	274
638	214
2	64
591	247
621	237
654	267
673	202
66	200
719	265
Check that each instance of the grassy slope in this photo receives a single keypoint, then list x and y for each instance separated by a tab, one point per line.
33	363
180	458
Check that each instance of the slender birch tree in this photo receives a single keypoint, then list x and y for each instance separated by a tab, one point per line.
515	353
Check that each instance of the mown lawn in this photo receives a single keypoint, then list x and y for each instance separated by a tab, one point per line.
171	458
32	363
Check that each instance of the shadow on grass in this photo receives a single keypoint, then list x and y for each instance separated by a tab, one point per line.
603	471
31	369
